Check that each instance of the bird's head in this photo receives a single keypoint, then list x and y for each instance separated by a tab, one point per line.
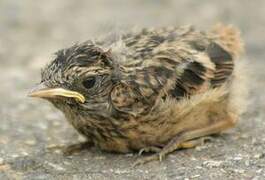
79	76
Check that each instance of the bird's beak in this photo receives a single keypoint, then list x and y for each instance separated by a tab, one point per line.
42	91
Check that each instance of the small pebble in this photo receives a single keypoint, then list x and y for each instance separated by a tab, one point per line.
118	171
66	163
129	155
244	136
55	166
14	155
53	146
100	157
193	158
238	158
56	123
240	171
24	153
259	171
198	167
224	171
1	161
212	163
247	163
259	156
30	142
195	176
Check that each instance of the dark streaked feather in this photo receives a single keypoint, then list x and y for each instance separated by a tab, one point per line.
186	57
223	61
190	80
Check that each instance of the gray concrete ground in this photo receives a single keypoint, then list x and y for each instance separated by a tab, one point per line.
30	31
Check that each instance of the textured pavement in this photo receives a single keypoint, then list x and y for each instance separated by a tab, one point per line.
31	31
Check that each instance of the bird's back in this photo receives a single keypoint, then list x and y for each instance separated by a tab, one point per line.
177	80
181	60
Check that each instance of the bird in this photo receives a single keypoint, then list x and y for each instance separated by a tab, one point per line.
151	90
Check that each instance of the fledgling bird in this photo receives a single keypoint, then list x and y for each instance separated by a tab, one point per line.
154	90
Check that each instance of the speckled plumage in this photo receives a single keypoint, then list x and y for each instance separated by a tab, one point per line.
152	90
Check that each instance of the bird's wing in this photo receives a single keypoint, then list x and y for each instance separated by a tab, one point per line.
176	74
203	70
221	46
173	65
223	61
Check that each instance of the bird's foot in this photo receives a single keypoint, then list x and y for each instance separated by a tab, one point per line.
195	142
149	149
160	153
157	156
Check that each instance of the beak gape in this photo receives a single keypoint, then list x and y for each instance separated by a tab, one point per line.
43	91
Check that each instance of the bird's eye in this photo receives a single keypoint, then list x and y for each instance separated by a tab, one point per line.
89	83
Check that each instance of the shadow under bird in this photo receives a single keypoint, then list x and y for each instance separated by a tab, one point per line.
155	90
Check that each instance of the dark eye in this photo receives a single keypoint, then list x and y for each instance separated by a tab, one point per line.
89	83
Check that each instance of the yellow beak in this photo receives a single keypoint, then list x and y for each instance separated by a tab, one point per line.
42	91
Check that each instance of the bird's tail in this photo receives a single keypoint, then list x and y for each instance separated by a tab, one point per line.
229	38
